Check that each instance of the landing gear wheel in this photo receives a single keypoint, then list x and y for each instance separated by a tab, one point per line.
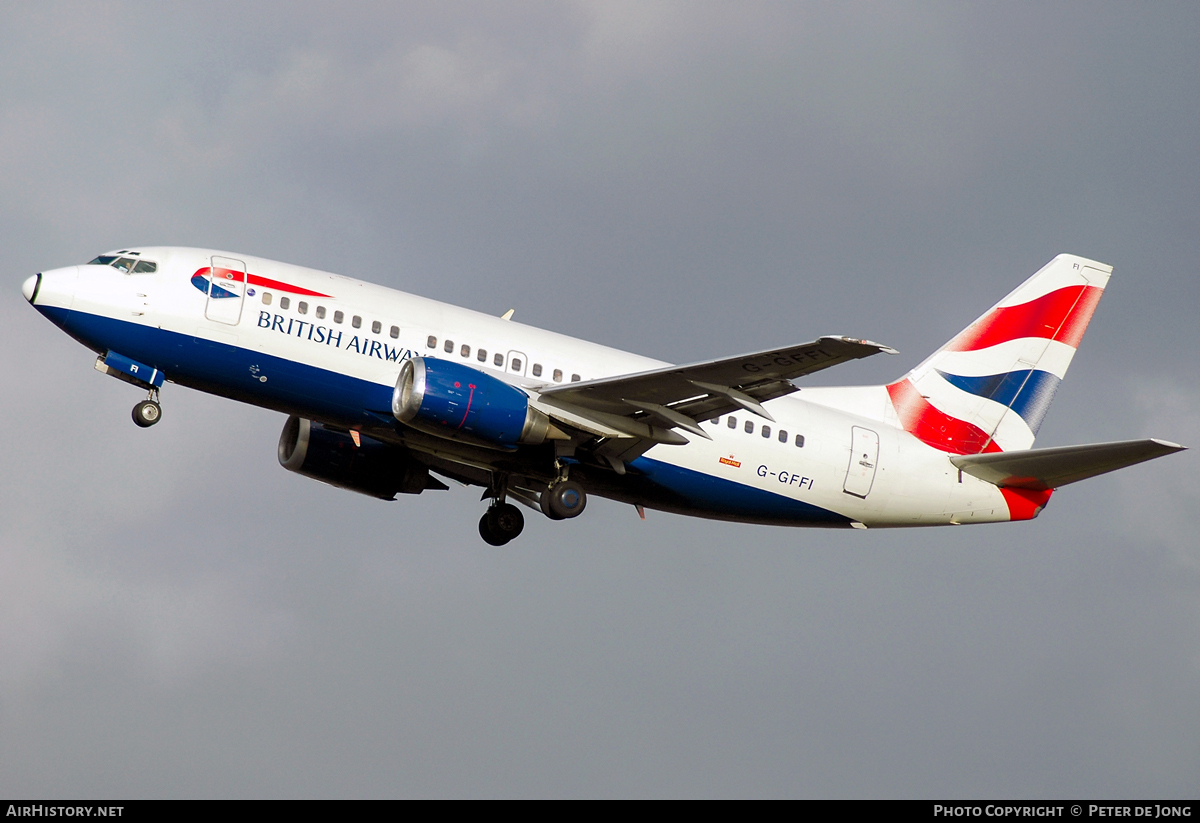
500	524
489	536
563	500
506	519
147	413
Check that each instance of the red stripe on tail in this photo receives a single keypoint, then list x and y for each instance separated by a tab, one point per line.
1061	315
934	427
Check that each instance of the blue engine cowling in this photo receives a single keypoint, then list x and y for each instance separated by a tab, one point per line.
372	468
457	402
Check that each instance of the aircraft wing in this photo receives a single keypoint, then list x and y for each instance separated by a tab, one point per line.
1043	469
649	405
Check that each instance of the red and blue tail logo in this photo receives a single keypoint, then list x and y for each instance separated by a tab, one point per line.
989	388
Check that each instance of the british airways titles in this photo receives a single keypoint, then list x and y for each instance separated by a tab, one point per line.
305	330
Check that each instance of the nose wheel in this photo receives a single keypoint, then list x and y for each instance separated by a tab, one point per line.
148	412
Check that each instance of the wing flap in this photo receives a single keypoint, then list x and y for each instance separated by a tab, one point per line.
630	413
1042	469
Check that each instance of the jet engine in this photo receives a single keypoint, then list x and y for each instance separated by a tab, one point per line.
457	402
372	468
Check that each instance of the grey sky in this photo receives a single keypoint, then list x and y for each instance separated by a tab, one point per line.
181	617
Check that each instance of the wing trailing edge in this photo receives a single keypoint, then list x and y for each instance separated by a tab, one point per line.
710	388
631	413
1043	469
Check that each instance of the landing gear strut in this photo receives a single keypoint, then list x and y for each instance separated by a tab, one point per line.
563	499
502	521
148	412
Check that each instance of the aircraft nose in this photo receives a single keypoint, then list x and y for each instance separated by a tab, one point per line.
30	287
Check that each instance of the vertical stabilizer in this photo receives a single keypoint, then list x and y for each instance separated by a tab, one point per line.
988	389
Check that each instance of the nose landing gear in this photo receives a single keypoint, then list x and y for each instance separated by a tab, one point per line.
147	378
148	412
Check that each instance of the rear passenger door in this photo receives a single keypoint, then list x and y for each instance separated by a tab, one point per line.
864	458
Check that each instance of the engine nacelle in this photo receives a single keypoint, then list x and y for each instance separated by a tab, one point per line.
371	468
454	401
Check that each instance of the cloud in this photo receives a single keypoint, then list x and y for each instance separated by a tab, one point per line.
182	617
1160	499
58	607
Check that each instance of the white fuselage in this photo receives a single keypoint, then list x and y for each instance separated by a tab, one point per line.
329	348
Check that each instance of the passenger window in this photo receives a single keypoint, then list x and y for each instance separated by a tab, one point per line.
558	375
376	327
515	364
266	298
749	427
498	359
465	351
431	342
481	355
715	421
338	317
394	331
145	267
537	369
320	312
574	378
284	302
782	436
302	307
356	322
449	347
732	422
766	431
799	441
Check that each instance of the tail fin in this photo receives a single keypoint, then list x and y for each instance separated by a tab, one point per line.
988	389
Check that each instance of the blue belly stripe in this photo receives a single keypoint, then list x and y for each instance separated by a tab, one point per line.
225	370
711	496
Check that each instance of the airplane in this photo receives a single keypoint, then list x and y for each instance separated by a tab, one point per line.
390	393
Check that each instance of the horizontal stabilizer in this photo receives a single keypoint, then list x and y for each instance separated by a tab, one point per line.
1043	469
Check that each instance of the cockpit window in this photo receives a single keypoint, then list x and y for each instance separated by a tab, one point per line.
126	264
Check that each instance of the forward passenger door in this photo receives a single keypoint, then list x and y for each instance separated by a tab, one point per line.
226	290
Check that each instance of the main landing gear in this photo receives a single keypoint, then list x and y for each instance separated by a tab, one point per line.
148	412
563	499
501	523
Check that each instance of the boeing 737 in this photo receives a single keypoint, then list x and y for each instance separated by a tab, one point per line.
389	393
